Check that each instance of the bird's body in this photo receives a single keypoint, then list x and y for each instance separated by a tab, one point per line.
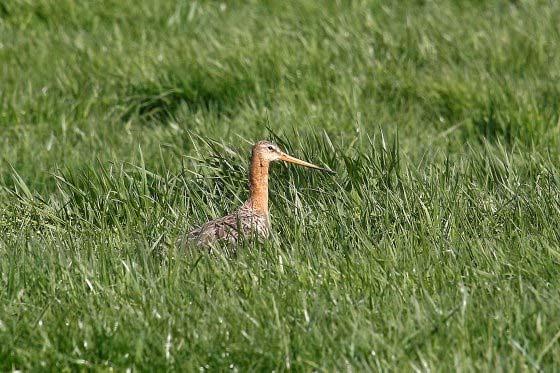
245	221
252	218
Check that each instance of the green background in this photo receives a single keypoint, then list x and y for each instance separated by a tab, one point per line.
435	247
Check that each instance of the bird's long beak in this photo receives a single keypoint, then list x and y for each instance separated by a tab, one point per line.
288	158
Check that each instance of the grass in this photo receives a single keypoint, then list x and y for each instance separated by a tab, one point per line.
435	247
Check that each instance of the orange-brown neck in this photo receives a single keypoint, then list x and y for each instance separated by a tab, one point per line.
258	184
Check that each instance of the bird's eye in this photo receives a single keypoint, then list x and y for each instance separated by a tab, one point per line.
270	148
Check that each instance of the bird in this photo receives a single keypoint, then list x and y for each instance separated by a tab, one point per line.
252	218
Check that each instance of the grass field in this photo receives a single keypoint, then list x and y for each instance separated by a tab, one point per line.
436	247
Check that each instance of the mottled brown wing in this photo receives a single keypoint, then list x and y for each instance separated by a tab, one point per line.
228	228
225	228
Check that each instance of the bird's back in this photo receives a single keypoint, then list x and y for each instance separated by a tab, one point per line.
244	222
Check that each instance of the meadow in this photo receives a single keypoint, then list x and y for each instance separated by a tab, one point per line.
435	247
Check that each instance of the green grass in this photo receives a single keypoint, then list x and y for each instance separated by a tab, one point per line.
435	247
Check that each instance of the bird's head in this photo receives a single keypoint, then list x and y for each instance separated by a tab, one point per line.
270	152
